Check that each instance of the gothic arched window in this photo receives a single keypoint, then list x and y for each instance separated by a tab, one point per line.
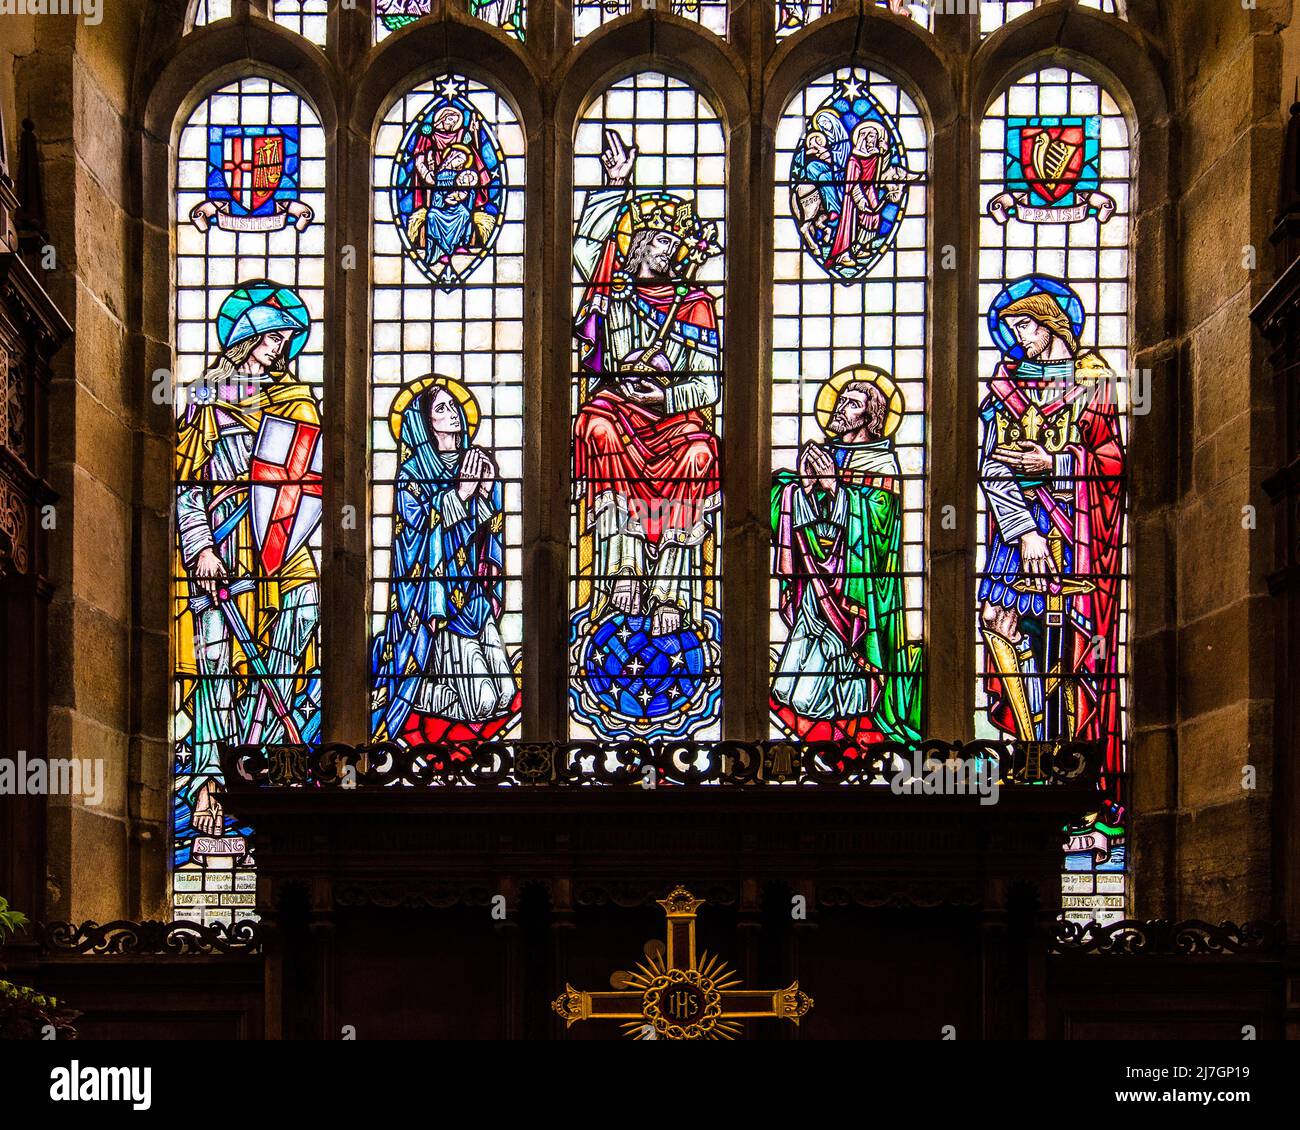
794	15
210	11
645	610
849	336
442	474
588	15
511	16
249	348
994	13
306	17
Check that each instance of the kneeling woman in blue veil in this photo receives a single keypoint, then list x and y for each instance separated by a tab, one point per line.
440	668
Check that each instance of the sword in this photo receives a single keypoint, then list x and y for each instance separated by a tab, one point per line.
696	257
1056	691
266	685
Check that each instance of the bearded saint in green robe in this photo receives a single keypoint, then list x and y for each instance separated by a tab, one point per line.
846	671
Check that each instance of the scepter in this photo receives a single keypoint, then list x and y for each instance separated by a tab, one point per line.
704	248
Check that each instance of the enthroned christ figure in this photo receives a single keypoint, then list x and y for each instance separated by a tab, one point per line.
644	442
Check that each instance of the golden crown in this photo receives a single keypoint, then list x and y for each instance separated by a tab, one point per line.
659	213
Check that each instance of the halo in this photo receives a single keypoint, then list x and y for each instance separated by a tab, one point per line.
1069	302
829	393
409	391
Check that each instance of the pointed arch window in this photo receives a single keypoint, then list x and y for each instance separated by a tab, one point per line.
439	393
994	13
795	15
446	393
588	15
307	18
848	371
919	11
1056	395
248	362
511	16
210	11
393	15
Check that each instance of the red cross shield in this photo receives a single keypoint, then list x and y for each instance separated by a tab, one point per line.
253	167
285	473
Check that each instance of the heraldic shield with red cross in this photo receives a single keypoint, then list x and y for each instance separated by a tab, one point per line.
254	167
252	181
285	470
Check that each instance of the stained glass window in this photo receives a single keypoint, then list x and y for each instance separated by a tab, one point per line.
795	15
1055	394
995	13
588	15
509	15
306	17
848	413
393	15
250	339
210	11
447	415
645	623
916	10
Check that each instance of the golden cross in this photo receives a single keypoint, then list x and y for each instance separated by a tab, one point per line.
672	996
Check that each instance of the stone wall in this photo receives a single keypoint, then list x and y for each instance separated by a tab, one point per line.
18	41
1226	69
74	81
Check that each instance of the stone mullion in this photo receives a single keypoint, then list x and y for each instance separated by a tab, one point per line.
953	364
550	28
952	533
751	163
345	594
746	432
547	459
1153	476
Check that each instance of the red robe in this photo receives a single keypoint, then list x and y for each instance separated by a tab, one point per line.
637	452
861	172
1094	530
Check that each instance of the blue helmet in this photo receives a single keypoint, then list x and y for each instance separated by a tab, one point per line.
259	308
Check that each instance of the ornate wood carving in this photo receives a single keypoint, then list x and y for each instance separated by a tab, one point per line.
649	765
1192	938
135	939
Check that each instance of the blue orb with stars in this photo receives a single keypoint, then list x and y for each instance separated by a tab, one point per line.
643	676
